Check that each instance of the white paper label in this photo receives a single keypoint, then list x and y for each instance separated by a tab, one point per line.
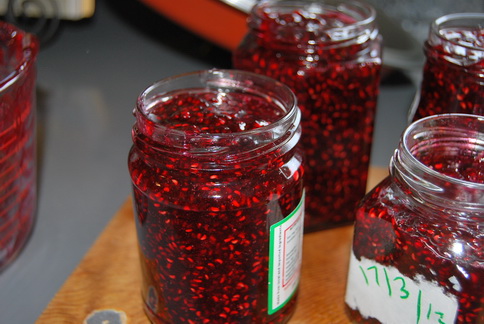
285	257
383	293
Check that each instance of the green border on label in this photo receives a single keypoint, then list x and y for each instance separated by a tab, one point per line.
271	311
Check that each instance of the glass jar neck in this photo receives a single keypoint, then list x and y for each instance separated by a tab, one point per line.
301	25
459	40
440	163
215	150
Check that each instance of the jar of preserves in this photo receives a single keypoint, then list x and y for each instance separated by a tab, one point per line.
329	54
18	167
217	180
418	239
453	75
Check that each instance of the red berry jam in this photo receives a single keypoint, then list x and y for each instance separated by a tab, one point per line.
418	241
330	57
215	169
18	51
453	76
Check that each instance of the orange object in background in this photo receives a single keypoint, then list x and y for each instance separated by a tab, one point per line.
211	19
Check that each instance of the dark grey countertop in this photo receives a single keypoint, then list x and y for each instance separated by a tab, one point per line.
89	77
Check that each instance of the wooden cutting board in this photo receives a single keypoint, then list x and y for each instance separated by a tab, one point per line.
105	287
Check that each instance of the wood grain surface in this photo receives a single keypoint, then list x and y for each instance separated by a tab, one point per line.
108	278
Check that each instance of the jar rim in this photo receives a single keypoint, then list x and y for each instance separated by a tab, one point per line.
224	74
367	12
410	132
439	23
279	135
17	43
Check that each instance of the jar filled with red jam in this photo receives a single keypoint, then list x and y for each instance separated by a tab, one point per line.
453	75
328	53
418	252
18	191
218	195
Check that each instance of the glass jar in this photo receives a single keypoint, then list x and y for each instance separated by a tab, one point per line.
217	181
418	240
18	191
453	75
329	54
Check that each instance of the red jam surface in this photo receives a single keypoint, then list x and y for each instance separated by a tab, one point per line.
453	76
336	87
17	142
464	168
215	112
421	241
204	231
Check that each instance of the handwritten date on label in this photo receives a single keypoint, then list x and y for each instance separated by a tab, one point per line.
384	293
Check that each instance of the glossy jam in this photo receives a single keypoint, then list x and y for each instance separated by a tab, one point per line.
204	204
453	76
430	234
17	140
313	50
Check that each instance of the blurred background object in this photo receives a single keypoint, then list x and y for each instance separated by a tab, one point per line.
18	167
63	9
42	17
415	16
221	22
403	24
224	23
453	74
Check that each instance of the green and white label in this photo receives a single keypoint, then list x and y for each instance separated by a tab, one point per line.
383	293
285	258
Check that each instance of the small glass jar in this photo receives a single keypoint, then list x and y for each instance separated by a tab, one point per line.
453	75
18	168
329	54
218	192
418	243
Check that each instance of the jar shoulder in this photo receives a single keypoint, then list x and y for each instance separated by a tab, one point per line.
389	214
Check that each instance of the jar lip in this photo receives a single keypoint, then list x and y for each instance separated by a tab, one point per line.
222	74
17	41
438	23
369	14
409	132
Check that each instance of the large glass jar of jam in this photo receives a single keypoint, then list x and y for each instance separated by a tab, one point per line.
453	75
418	252
328	53
218	195
18	191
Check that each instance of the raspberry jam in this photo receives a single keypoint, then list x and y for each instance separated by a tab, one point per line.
329	55
18	51
453	76
418	240
217	182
